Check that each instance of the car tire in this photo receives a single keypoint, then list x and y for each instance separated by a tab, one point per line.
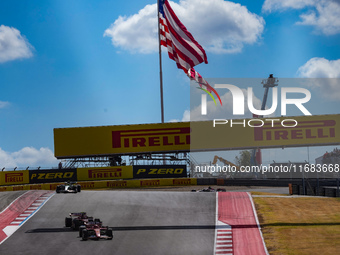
109	233
84	235
81	228
68	222
78	188
76	224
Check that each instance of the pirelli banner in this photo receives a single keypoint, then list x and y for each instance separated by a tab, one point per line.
126	139
159	171
131	172
104	173
14	177
219	134
265	133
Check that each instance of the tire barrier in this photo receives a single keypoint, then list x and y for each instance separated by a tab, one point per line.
327	191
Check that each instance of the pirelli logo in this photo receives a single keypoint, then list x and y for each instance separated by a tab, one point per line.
3	188
304	130
16	188
159	137
117	184
87	185
54	186
104	173
39	187
14	177
181	182
148	183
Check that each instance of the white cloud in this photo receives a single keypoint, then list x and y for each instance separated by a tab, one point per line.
323	68
6	160
3	104
276	5
220	26
13	45
28	156
324	15
320	68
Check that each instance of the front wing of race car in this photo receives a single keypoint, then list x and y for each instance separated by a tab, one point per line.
97	233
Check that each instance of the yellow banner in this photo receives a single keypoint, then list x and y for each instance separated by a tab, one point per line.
198	136
108	140
6	188
118	184
104	173
265	133
14	177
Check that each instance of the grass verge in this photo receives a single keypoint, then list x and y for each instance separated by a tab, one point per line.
303	225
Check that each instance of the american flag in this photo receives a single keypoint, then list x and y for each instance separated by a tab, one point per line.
182	46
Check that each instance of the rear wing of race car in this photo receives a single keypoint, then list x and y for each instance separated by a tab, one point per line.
78	214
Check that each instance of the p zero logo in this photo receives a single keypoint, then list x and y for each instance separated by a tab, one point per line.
159	171
105	173
160	137
117	184
320	129
14	177
181	182
51	176
147	183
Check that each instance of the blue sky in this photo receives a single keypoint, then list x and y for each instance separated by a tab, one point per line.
92	63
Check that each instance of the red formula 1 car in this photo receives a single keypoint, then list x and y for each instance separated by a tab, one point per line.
77	219
95	230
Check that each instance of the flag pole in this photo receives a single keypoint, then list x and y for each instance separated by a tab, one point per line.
160	64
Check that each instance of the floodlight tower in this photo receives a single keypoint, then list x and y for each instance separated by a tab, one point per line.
271	82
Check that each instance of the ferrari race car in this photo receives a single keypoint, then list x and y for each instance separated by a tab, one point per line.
68	187
78	219
95	230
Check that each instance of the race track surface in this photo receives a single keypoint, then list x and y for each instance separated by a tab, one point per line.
142	222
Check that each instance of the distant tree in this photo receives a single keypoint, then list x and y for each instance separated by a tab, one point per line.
244	158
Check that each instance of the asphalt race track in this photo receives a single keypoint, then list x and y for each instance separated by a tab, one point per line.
143	223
